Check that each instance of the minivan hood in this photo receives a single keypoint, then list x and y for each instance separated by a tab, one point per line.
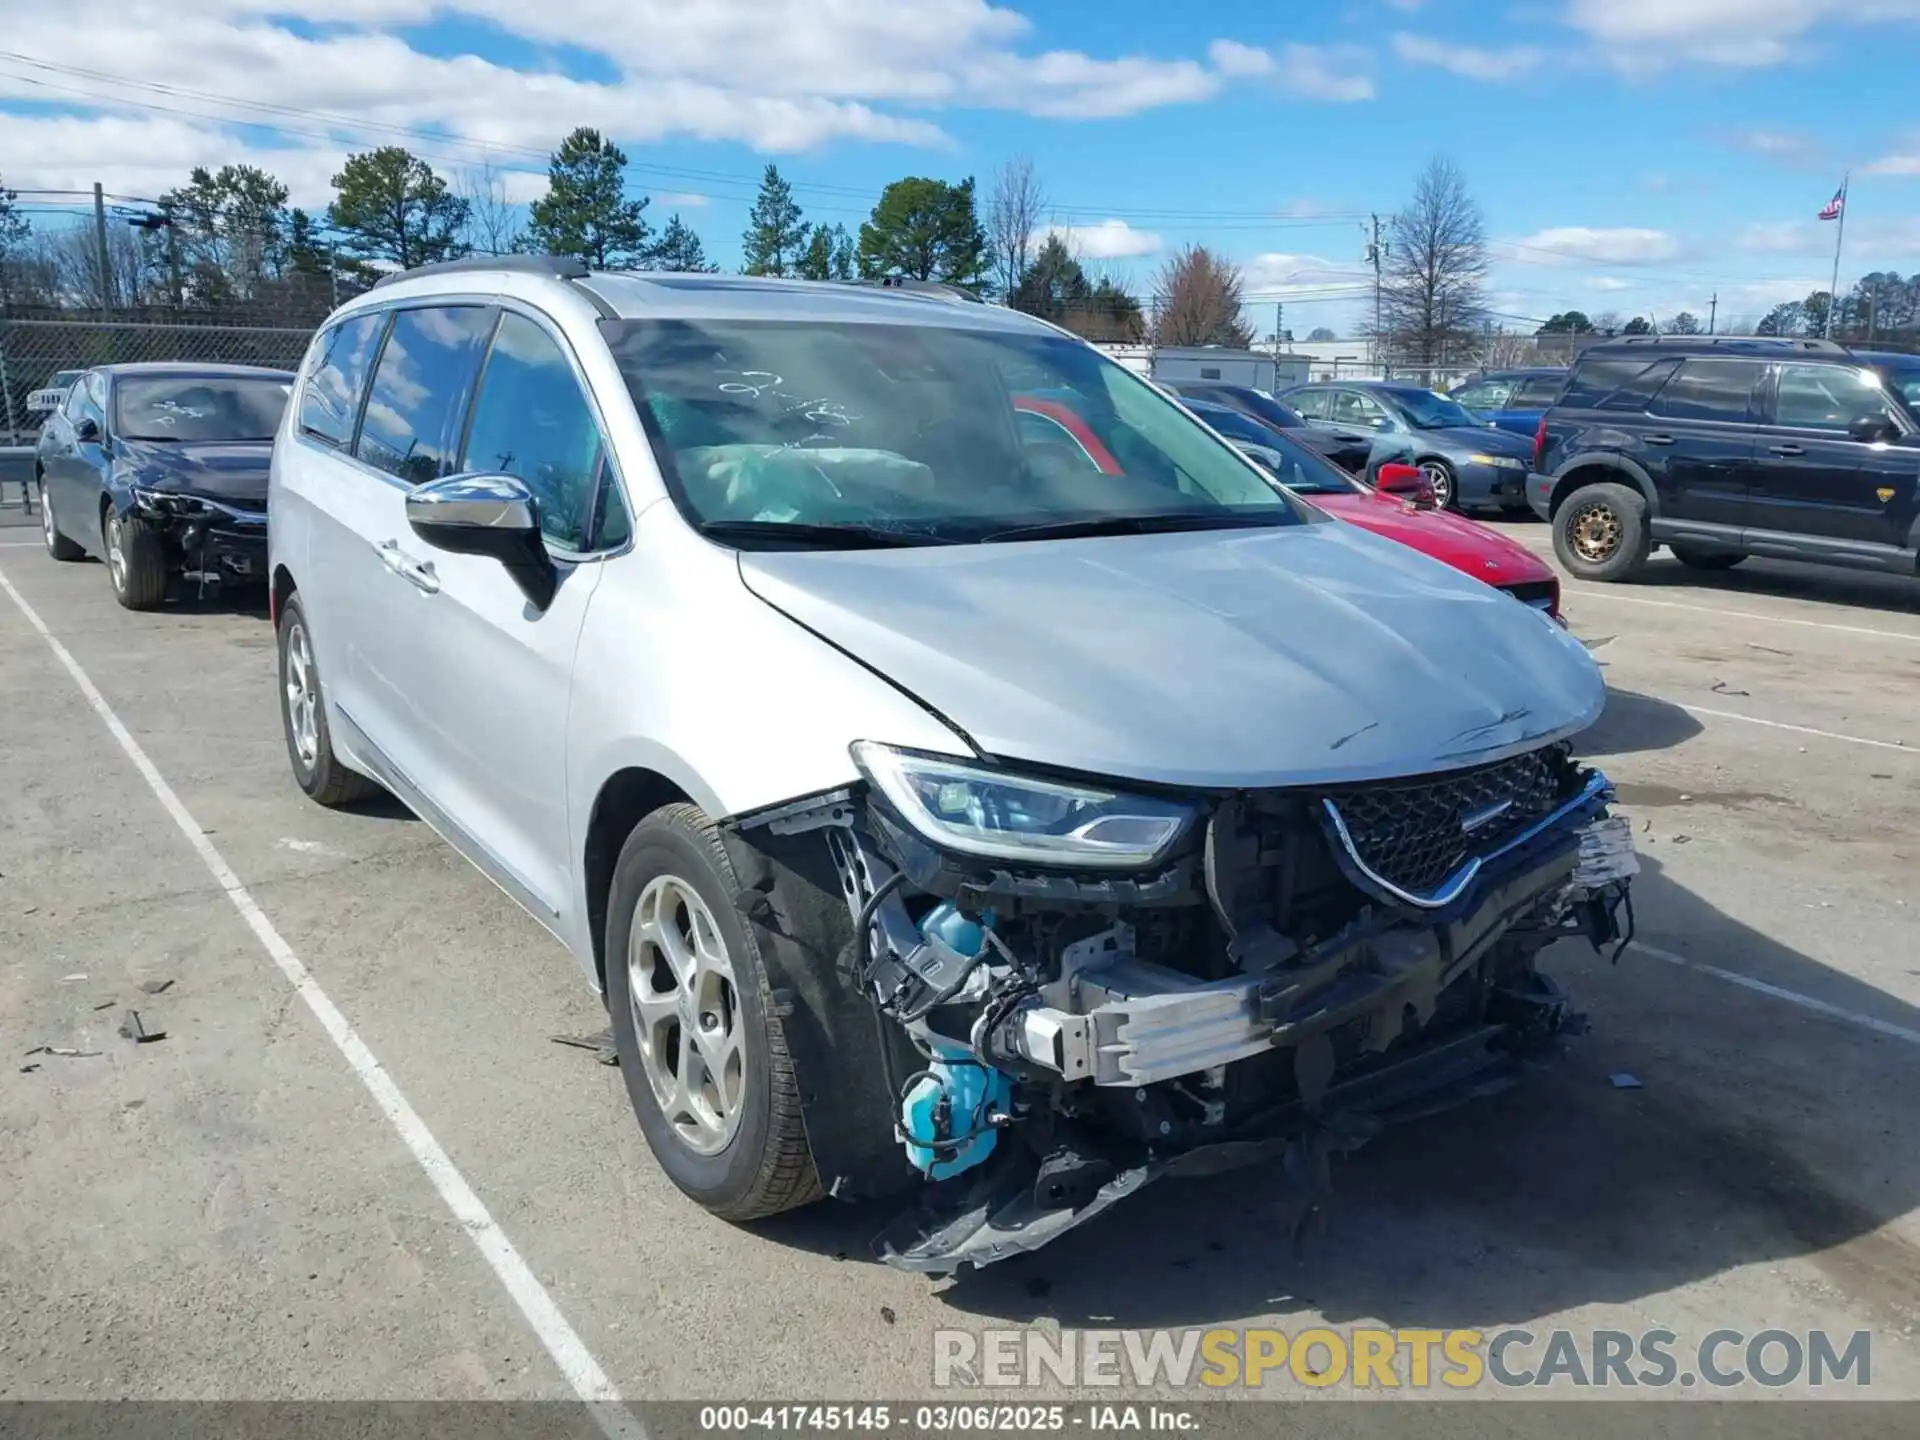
1306	654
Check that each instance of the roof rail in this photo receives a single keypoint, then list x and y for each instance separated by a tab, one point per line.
933	289
560	267
1781	342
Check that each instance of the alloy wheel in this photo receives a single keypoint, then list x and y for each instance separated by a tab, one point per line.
1594	532
116	553
686	1015
303	696
1441	479
46	521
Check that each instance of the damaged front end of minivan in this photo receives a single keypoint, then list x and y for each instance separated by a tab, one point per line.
1073	990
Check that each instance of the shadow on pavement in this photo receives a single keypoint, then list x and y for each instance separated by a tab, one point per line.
1633	724
1788	580
1761	1134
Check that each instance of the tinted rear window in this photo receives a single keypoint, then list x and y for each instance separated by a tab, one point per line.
1615	382
1710	390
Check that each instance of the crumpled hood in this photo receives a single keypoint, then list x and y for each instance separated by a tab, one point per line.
1482	439
1464	544
1303	654
234	471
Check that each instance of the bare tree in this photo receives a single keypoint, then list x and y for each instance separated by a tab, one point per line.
1607	322
1197	301
1504	350
72	258
1433	292
1013	214
493	223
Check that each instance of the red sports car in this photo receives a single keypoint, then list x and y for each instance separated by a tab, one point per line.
1401	507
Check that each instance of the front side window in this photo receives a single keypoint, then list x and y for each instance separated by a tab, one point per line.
331	400
1428	410
1312	404
1710	390
914	434
199	407
532	420
420	388
1350	407
76	402
1828	397
1537	393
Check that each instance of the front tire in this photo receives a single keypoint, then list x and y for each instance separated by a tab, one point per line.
1446	491
1600	532
58	545
1694	559
703	1056
303	718
136	562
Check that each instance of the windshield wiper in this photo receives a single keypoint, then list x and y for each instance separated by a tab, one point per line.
1166	521
826	537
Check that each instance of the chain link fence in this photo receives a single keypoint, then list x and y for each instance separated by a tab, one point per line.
33	352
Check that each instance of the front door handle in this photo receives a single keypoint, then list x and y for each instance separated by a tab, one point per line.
1658	439
1786	449
417	573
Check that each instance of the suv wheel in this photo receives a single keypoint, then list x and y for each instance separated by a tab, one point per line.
58	545
136	562
703	1056
1600	532
1695	559
303	716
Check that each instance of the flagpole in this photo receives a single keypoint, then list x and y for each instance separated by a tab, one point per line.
1833	290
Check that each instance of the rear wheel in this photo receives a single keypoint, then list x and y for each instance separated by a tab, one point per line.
703	1055
1695	559
136	562
303	716
1600	532
58	545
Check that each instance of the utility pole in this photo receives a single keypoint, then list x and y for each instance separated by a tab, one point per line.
1833	290
1713	311
100	247
1377	254
1279	324
333	273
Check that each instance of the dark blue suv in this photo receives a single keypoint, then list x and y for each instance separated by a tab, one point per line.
1725	447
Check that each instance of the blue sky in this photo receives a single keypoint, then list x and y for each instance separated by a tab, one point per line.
1631	155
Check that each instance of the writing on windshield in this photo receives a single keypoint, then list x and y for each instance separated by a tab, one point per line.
202	408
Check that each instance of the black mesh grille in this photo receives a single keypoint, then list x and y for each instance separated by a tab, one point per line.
1416	833
1542	593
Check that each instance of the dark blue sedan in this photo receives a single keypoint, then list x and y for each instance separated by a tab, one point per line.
1512	399
162	471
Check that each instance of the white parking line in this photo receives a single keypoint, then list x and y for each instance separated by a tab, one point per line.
1799	729
1792	997
569	1352
21	544
1615	595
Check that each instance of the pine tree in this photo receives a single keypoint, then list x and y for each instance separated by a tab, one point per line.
585	212
776	236
679	249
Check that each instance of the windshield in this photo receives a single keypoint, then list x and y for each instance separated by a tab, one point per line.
1904	379
926	433
1427	411
199	407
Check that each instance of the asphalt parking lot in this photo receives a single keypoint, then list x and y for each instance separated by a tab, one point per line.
240	1210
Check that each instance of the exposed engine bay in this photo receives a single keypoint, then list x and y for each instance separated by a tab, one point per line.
1296	969
208	541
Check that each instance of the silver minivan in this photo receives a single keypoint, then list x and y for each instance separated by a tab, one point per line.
964	775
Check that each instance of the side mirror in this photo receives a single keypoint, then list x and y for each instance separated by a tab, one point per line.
1872	430
492	515
86	429
1395	478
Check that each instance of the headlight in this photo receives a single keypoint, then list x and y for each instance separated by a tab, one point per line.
1499	462
977	811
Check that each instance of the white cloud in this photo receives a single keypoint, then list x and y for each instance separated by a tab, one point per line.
1647	35
1325	72
1786	237
1277	276
1471	62
1867	236
1230	57
1627	245
1108	240
1907	163
1608	282
680	199
1777	144
781	76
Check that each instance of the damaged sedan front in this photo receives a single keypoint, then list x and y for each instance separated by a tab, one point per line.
162	469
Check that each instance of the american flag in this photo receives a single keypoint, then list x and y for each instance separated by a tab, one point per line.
1837	206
